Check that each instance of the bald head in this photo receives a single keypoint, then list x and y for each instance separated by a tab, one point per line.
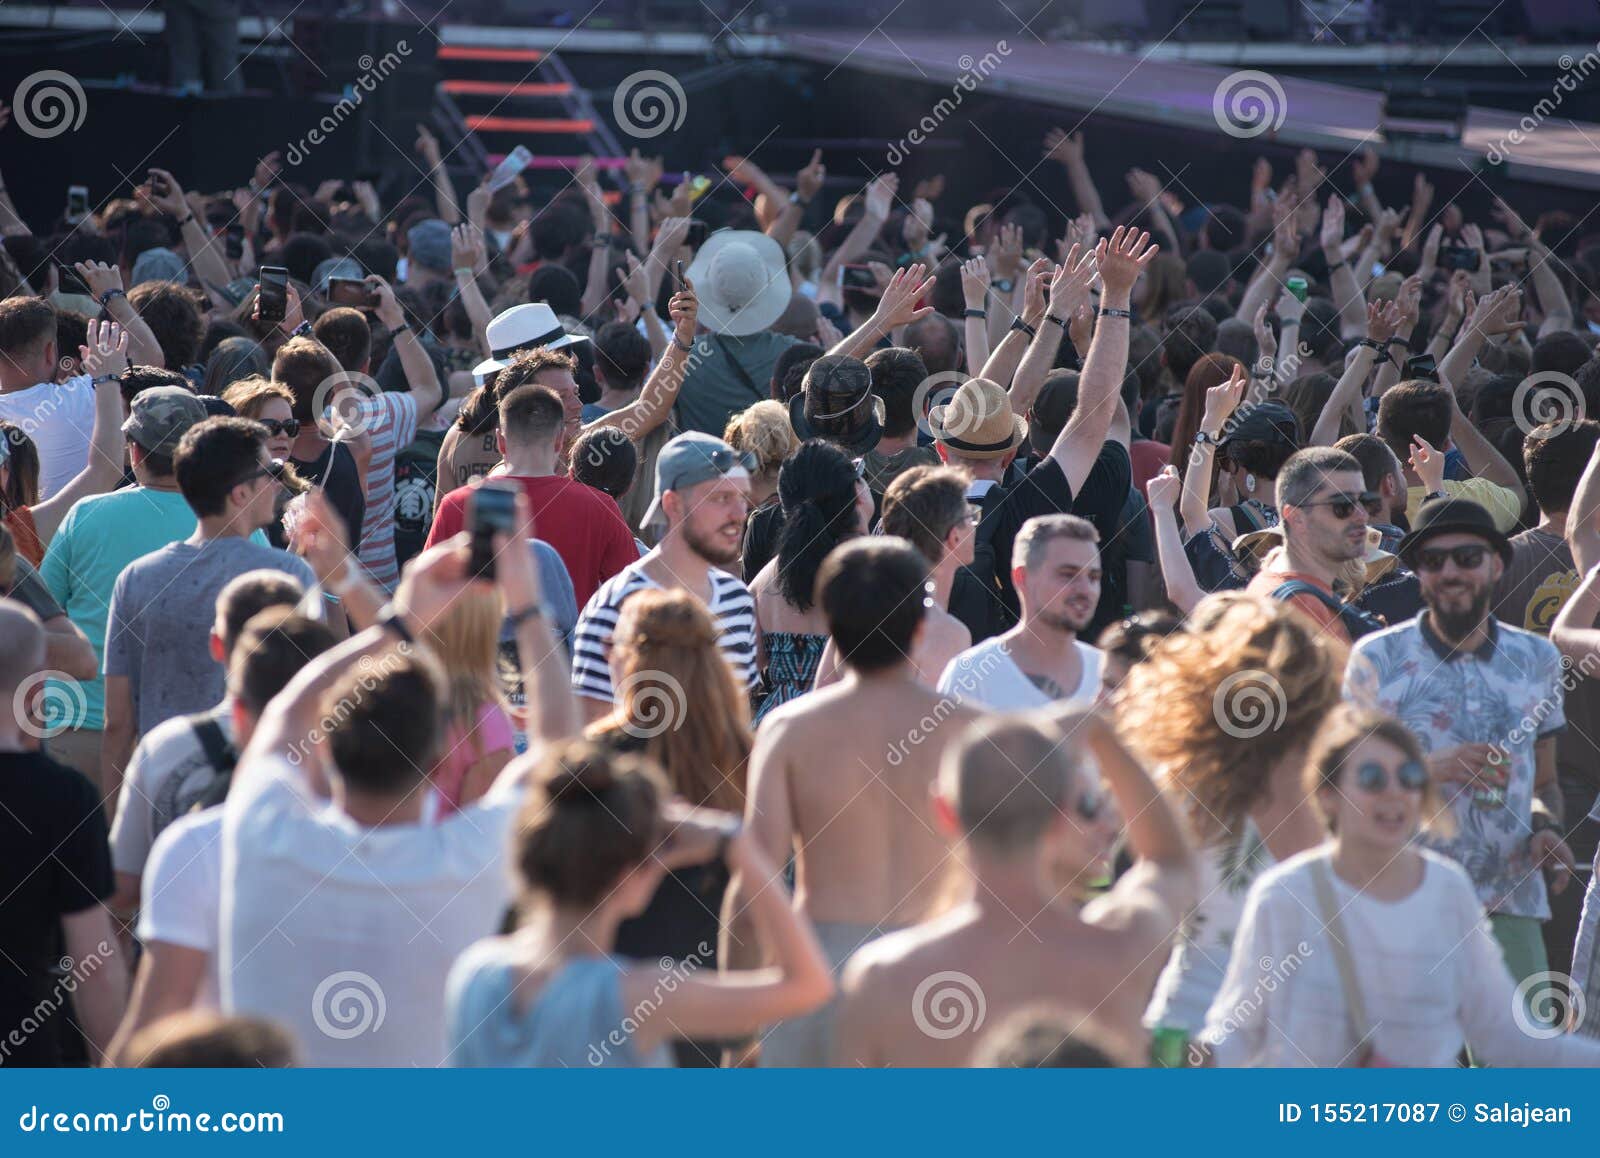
21	646
1008	780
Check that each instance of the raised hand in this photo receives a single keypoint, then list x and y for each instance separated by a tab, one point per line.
1290	308
171	201
1383	320
1332	236
684	310
635	279
99	277
808	181
428	146
1144	186
1069	288
975	282
1499	312
1410	301
320	539
267	169
1034	287
1164	489
643	173
670	235
1428	464
1063	147
1519	229
107	351
467	249
1364	166
1006	254
1223	400
388	308
1121	258
880	196
744	171
898	306
918	225
1266	341
367	196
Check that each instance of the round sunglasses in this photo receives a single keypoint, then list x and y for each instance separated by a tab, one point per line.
1374	777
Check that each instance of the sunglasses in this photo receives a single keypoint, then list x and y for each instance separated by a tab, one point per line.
273	470
725	459
286	426
1467	557
1374	777
1090	805
1343	506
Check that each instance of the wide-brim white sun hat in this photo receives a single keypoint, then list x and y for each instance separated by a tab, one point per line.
742	282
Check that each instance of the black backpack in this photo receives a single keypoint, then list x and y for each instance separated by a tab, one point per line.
1356	621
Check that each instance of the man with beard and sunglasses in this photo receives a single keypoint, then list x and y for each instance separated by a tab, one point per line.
1324	506
702	497
1486	701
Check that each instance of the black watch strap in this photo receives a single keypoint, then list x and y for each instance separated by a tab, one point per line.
1031	331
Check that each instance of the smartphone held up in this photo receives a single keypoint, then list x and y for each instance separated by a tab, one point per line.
491	511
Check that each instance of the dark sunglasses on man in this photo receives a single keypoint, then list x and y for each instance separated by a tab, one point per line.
1467	557
1344	505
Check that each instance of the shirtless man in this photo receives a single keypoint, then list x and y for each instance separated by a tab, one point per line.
927	506
1055	565
1034	830
841	778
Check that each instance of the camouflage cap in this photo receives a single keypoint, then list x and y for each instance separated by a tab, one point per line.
161	416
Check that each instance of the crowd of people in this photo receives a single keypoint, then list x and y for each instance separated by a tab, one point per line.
571	627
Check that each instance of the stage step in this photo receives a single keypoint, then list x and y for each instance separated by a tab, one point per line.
505	88
469	52
543	126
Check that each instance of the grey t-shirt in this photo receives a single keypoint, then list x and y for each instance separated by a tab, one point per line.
162	609
714	389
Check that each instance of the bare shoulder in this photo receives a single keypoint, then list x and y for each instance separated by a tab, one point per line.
880	964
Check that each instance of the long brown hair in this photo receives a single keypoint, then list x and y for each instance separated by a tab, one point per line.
1218	705
676	692
1211	370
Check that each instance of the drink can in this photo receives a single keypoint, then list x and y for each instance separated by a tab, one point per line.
1298	286
1169	1047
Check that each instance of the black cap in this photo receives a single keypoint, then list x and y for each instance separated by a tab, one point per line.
1265	422
1452	517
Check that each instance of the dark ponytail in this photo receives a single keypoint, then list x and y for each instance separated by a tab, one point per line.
818	490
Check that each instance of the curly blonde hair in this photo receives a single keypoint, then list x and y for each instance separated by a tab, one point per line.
1218	705
764	431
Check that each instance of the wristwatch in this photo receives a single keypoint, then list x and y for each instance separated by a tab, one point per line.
796	199
390	620
1205	438
517	618
1004	285
1435	495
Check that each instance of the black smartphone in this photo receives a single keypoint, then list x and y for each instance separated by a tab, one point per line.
492	510
857	277
274	298
235	241
1421	366
698	232
1454	257
352	291
77	203
677	276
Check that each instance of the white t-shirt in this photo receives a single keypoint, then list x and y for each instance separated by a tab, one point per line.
1430	972
182	891
59	417
345	934
985	675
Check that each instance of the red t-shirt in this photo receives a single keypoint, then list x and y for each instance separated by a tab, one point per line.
1148	457
584	526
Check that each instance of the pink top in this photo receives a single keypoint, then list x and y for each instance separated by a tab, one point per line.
463	749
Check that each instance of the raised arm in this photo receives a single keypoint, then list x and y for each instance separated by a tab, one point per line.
1583	520
469	258
1120	260
1574	631
1495	314
1382	318
105	284
1269	278
444	193
1067	150
1176	571
897	307
105	355
643	174
205	256
875	212
807	184
1409	303
1146	189
1346	293
975	321
421	377
1069	290
660	392
1221	401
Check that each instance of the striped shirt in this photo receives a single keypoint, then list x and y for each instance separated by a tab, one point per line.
391	422
732	609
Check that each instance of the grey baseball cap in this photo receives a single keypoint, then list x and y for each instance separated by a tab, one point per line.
693	458
160	416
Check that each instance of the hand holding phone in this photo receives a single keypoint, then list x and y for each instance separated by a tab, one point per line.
491	511
272	303
77	203
353	292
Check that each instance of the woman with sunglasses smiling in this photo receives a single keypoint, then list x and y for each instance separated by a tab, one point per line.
1377	948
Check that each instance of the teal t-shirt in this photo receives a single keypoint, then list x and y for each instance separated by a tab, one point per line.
100	536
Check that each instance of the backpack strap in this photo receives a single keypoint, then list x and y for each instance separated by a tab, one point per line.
219	752
1356	621
738	370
